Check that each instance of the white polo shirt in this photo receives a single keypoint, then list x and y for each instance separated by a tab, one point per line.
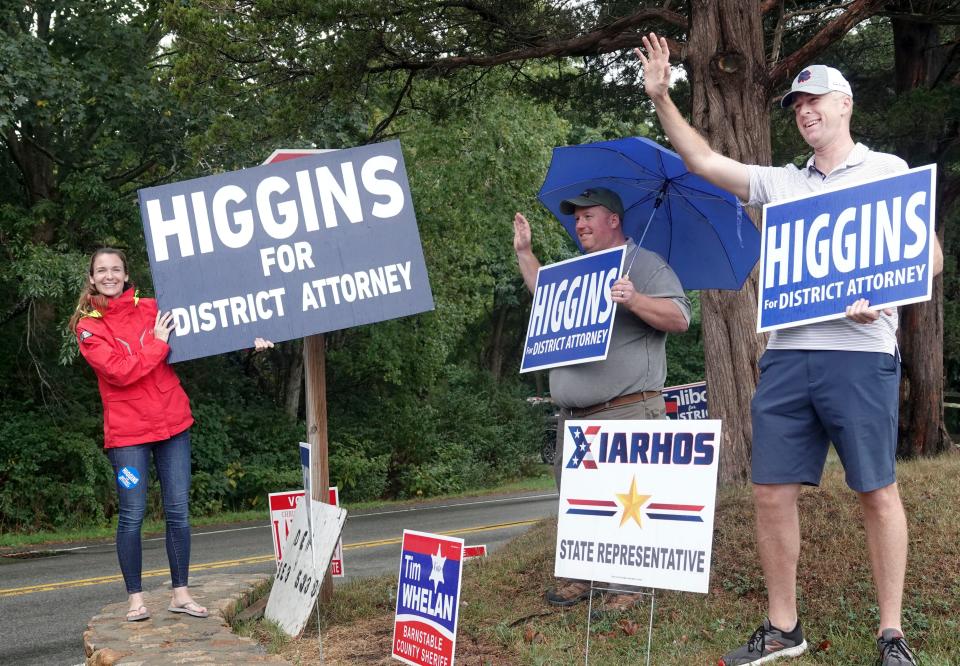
770	184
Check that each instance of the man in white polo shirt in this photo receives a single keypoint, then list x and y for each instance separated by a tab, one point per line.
794	412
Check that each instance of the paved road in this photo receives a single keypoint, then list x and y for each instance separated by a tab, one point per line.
46	598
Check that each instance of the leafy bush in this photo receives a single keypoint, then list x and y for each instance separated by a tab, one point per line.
252	484
466	431
211	452
51	475
359	475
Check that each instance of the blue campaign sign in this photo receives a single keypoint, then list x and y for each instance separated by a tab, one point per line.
572	313
821	253
323	242
686	402
428	599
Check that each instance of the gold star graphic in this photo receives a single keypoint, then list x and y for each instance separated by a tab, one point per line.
632	502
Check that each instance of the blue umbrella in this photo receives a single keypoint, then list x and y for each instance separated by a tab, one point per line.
699	229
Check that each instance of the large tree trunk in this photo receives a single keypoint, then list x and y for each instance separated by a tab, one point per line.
727	70
294	384
922	428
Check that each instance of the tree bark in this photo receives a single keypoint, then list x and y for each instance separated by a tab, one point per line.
922	431
294	383
728	78
315	364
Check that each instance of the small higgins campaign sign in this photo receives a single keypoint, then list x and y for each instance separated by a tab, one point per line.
822	252
572	313
428	599
293	248
636	502
687	401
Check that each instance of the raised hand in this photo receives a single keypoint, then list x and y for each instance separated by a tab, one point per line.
656	66
521	233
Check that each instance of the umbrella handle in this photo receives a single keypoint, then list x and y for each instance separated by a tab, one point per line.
633	258
656	205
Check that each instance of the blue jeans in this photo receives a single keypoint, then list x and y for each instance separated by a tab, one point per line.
130	466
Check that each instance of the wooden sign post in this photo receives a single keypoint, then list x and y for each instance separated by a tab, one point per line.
315	374
315	377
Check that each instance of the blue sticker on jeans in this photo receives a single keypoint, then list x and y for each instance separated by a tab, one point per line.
128	477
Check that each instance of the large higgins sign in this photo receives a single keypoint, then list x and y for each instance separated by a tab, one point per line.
822	252
323	242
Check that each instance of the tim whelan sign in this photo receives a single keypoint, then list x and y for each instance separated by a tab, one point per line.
428	599
821	253
285	250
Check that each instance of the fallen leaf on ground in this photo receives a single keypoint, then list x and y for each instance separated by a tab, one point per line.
629	627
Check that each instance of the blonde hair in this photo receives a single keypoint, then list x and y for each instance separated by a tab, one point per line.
90	299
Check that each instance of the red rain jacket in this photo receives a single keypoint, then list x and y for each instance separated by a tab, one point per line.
142	397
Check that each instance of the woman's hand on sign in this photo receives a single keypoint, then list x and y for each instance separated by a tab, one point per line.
163	326
259	345
861	313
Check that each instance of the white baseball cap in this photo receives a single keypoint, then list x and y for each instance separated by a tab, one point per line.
816	80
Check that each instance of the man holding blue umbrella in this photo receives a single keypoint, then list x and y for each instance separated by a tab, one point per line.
809	369
628	383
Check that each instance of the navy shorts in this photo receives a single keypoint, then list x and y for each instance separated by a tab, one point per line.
807	399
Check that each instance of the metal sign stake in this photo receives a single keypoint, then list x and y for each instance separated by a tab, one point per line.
594	588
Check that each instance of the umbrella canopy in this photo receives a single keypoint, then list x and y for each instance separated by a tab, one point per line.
699	229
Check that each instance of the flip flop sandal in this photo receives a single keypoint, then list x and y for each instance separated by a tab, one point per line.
186	608
141	614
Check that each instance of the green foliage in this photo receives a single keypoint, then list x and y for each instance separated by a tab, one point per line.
51	474
210	448
359	474
98	99
240	455
685	360
476	432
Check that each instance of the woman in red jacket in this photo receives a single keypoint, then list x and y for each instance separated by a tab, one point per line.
124	339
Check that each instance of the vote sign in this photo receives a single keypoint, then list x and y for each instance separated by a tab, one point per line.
285	250
300	575
428	599
637	500
572	313
282	509
820	253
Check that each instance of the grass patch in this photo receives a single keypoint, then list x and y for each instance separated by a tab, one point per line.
543	480
504	621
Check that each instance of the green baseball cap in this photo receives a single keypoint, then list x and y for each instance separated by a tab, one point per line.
595	196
